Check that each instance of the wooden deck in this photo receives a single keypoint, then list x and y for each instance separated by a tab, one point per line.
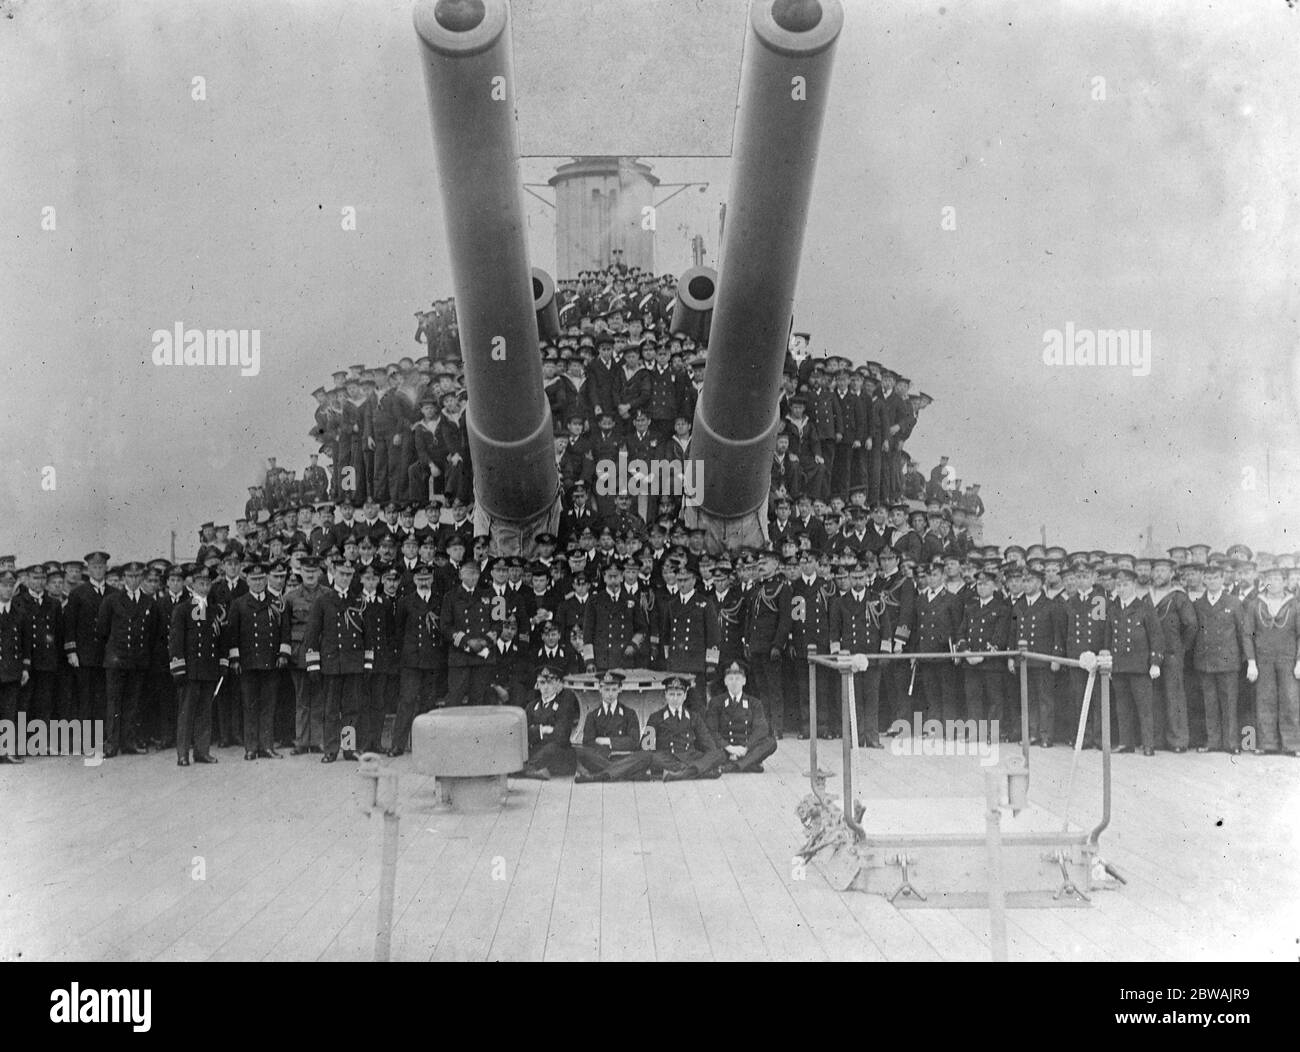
99	864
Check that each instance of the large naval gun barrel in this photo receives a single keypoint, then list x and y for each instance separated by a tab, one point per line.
784	83
469	74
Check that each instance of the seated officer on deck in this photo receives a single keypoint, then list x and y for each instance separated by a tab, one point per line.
738	724
551	713
680	745
611	738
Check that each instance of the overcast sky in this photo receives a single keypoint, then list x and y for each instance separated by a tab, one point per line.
1162	197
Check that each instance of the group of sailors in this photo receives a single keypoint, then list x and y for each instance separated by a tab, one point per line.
335	652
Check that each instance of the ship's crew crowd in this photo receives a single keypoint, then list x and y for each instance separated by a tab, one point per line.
316	653
344	604
617	379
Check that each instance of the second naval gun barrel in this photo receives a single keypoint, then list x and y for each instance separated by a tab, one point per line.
469	76
784	84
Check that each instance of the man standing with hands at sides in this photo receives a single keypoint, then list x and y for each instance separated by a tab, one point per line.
679	743
861	623
690	635
1273	624
81	643
128	625
15	655
985	625
197	664
611	738
615	628
1221	644
1178	620
737	722
309	703
1137	644
259	634
422	660
552	714
768	635
45	627
469	624
337	647
1038	625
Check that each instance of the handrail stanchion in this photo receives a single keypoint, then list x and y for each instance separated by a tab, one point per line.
846	737
812	721
1105	757
1024	704
993	781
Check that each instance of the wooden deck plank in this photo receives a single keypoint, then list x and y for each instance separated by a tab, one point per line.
675	914
469	932
421	923
575	932
732	931
525	920
785	932
97	865
625	930
769	810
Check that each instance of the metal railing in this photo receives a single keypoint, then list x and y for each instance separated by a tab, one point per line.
842	663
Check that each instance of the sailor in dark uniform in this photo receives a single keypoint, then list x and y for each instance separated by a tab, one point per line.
690	635
81	642
552	715
1038	625
259	635
679	743
128	625
46	630
738	724
611	738
615	628
198	661
862	623
339	647
15	658
985	626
